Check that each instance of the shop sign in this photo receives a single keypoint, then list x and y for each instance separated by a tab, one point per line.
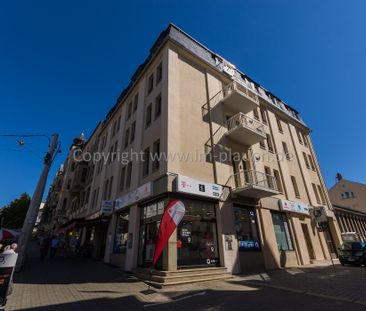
107	207
295	207
318	214
134	196
197	187
249	245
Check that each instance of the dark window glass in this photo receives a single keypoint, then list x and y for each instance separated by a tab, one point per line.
246	228
282	232
121	234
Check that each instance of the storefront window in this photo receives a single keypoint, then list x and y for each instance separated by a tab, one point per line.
245	223
282	232
197	235
121	236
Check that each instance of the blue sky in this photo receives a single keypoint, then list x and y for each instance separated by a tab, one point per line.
63	64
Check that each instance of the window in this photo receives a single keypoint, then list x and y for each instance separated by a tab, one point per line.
255	114
245	224
278	180
115	149
133	130
135	102
285	150
111	154
347	194
157	106
279	125
263	115
352	194
282	232
146	162
121	235
118	123
129	174
87	196
68	186
262	145
114	128
269	179
269	143
150	84
316	194
159	73
306	160
299	137
305	141
122	178
129	110
321	193
127	134
311	160
148	116
72	166
156	155
110	188
105	191
294	185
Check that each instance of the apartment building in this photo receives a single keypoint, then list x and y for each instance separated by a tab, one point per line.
239	158
349	202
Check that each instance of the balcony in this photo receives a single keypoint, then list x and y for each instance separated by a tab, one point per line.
245	130
239	98
253	184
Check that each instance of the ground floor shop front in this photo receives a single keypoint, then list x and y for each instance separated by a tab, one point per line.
236	233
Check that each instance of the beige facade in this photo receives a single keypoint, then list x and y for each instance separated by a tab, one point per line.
215	127
349	202
349	194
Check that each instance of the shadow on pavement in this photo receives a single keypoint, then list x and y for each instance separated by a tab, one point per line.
259	299
70	270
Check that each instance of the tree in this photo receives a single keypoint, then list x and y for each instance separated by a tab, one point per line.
14	213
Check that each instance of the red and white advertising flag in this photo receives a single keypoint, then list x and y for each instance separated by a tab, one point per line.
172	216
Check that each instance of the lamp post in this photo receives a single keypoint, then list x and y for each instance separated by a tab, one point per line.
32	212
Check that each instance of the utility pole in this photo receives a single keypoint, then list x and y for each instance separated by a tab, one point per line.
33	209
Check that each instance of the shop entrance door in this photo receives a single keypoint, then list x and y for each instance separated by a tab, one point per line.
309	245
197	243
197	236
148	236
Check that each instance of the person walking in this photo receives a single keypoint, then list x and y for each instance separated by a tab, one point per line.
55	242
44	245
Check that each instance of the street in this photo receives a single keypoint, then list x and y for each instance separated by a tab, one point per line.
82	284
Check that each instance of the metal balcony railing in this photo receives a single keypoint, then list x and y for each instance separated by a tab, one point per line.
228	90
242	120
244	179
238	87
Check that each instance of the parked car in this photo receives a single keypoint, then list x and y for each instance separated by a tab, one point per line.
352	250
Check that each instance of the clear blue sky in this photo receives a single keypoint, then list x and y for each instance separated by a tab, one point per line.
63	63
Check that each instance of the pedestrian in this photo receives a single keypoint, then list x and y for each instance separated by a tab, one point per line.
44	244
55	242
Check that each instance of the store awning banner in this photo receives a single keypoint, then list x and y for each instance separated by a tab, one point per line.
172	216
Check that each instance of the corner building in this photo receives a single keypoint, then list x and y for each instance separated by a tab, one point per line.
239	158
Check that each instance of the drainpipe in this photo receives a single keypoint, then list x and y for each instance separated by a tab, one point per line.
211	131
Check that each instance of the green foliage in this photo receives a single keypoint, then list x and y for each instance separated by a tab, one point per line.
14	213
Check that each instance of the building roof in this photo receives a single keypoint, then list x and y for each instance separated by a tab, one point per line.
348	210
177	35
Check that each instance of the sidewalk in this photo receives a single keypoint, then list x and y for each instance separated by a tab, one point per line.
340	283
79	284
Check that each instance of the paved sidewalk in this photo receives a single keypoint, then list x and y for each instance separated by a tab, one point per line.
79	284
340	283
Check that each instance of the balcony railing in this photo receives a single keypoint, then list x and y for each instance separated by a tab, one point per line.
254	184
238	87
245	130
236	96
242	120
